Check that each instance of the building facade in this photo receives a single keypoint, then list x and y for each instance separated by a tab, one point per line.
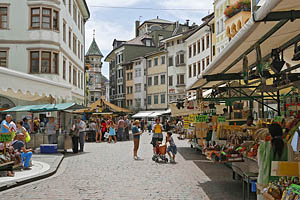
157	80
95	84
129	85
140	83
221	38
47	38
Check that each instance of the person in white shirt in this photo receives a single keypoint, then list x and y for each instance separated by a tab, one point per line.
82	126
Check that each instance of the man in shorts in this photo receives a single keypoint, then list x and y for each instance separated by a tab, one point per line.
157	134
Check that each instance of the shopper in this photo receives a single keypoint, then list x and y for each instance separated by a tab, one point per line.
157	134
143	125
127	125
26	125
36	125
120	131
5	124
275	150
26	154
98	131
51	128
103	129
171	148
136	138
82	127
75	135
112	131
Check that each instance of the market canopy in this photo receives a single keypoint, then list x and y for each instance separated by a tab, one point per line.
45	108
154	113
269	29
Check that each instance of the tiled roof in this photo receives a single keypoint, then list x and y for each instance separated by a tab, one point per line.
94	50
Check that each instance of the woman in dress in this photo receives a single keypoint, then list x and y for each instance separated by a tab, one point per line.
112	131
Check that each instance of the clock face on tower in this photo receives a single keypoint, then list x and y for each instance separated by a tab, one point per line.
5	103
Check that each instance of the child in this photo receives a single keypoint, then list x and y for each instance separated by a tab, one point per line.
172	148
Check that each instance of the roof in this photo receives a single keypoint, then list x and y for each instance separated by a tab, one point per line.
94	49
139	40
158	20
200	27
45	107
114	108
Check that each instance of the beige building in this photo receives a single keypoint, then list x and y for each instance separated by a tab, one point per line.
129	85
157	80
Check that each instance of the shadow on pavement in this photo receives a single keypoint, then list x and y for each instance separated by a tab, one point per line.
71	154
190	154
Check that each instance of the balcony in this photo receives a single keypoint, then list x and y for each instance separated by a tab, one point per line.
237	15
95	70
180	85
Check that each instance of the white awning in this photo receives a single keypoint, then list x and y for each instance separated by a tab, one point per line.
157	113
30	88
142	114
249	35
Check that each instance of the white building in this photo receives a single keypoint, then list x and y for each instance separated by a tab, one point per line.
198	48
221	38
140	81
44	41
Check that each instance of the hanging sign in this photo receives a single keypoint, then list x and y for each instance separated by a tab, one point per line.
278	119
201	118
192	118
186	122
221	119
5	137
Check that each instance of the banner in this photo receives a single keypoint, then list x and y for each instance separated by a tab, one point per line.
221	119
201	118
5	137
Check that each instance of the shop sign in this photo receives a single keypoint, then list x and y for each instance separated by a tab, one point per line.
5	137
186	122
201	118
278	119
221	119
192	118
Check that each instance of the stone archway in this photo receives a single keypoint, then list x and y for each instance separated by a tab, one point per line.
5	104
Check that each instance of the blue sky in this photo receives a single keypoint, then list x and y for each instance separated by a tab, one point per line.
113	23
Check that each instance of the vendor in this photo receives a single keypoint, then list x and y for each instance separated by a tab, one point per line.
249	123
274	150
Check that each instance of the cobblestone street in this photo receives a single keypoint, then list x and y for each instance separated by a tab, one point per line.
108	171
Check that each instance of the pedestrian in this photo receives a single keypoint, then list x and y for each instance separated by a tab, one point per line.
149	127
127	126
171	148
275	150
26	154
112	132
103	129
5	124
157	134
26	125
120	131
51	128
82	127
75	135
136	138
143	125
36	125
98	130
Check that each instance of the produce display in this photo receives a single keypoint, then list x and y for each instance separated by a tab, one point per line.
287	188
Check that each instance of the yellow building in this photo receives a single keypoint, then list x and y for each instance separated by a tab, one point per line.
129	85
237	13
157	81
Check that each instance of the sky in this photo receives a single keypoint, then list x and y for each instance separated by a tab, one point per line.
112	23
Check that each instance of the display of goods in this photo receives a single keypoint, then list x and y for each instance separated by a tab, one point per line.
287	188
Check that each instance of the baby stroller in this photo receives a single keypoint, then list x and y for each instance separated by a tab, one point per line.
160	155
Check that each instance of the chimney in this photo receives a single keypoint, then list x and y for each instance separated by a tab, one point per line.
187	22
137	24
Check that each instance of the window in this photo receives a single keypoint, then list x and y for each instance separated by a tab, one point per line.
149	81
78	50
162	60
70	37
190	51
78	20
198	46
138	72
207	60
129	76
180	59
54	65
49	62
162	98
55	21
155	61
64	2
199	67
3	17
3	58
74	77
149	100
64	32
214	50
195	70
170	80
194	49
203	64
203	44
138	87
81	81
190	71
70	72
46	61
75	12
74	44
172	43
46	18
207	41
155	80
171	61
155	99
64	69
70	6
82	53
180	79
162	79
35	17
138	102
149	63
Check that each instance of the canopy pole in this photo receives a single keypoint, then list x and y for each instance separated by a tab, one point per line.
263	105
278	103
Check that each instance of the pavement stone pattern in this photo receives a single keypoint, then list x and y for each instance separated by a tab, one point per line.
108	171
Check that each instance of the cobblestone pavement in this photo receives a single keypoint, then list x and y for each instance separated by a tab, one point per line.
108	171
